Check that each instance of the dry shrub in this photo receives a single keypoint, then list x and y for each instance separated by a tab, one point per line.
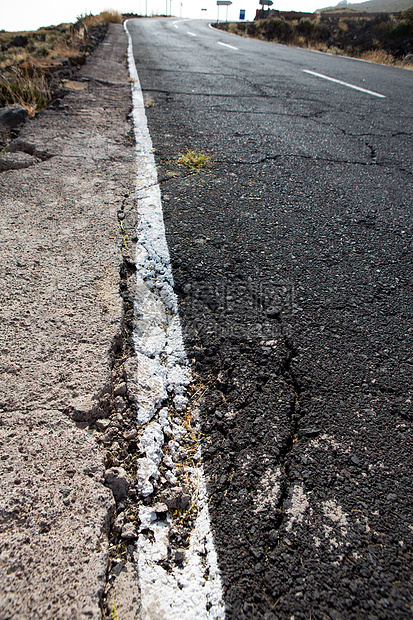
379	56
342	24
63	50
30	92
233	28
105	17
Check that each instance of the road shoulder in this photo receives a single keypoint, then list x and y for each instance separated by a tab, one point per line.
62	319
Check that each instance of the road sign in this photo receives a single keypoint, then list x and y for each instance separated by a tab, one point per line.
242	13
223	3
266	2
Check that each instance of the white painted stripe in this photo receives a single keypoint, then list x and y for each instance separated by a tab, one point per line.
194	589
191	34
227	45
176	26
330	79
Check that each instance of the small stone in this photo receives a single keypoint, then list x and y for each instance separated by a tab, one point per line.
257	553
116	569
120	404
147	472
107	438
119	522
102	425
180	556
222	380
273	312
161	509
129	531
173	498
185	500
129	435
13	115
170	477
392	497
309	432
120	390
117	480
168	462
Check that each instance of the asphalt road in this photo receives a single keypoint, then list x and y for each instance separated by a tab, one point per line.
292	262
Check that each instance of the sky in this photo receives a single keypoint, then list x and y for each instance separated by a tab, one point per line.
32	14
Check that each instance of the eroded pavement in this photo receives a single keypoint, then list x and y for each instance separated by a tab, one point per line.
61	324
105	509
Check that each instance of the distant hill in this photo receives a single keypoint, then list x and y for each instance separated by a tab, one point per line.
372	6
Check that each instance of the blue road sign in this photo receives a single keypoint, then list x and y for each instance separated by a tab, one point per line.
242	14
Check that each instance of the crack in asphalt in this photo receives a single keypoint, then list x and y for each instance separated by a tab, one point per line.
209	94
321	159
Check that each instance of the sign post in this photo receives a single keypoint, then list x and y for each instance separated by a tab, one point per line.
223	3
266	3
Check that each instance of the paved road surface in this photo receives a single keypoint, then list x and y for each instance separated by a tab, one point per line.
291	257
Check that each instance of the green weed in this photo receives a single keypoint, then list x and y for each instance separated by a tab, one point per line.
194	159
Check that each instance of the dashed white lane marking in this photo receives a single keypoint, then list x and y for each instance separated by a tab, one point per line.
353	86
193	590
227	45
176	26
191	34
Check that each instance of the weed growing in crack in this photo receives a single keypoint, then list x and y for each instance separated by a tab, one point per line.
194	159
114	614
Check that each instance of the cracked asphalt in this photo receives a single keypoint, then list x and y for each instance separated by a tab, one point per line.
291	254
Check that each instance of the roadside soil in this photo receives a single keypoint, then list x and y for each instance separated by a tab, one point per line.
66	217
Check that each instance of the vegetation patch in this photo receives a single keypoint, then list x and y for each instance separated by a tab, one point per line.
194	159
378	37
31	92
35	64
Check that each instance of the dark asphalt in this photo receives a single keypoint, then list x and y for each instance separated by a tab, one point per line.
292	262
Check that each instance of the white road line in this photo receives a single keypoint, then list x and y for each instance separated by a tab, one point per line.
194	589
330	79
191	34
227	45
176	26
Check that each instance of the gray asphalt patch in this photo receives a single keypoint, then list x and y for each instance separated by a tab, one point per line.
290	256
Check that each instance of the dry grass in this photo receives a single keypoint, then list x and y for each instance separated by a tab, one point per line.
379	56
31	92
63	50
26	68
105	17
194	159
